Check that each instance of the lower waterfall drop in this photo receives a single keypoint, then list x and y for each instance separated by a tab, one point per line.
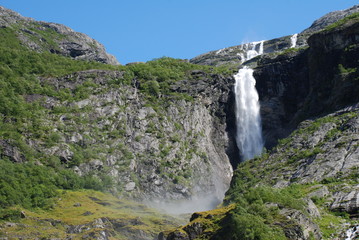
352	233
249	130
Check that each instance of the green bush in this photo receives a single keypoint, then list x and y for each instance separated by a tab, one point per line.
256	213
32	186
251	227
10	214
27	185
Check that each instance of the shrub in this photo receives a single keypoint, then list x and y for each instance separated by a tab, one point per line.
251	227
10	214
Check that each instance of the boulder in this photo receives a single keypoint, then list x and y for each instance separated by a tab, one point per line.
347	201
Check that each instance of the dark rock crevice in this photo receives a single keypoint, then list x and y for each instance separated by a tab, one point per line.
232	150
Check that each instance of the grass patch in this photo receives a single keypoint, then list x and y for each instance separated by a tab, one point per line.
354	16
85	207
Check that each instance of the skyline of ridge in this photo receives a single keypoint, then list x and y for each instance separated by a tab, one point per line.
142	31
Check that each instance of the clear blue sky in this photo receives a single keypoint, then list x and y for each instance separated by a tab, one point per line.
141	30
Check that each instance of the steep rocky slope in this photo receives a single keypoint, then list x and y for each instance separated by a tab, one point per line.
152	151
154	131
54	38
330	18
314	91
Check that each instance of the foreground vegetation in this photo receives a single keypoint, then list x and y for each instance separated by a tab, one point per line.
87	214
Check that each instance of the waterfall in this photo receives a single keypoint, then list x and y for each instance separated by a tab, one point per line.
249	129
250	50
352	233
293	40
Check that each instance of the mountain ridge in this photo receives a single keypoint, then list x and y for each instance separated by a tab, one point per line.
232	55
55	38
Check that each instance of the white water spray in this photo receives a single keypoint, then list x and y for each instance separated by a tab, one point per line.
293	40
352	233
249	130
250	50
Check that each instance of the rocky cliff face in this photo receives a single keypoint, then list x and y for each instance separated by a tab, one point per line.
54	38
309	82
169	152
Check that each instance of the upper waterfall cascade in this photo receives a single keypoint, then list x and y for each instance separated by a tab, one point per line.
251	50
293	40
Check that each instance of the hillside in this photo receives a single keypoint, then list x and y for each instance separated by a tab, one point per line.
306	185
154	132
87	145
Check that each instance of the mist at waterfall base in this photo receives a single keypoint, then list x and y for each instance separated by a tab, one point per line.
200	203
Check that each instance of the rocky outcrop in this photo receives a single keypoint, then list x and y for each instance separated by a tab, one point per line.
54	38
330	18
174	150
347	200
322	149
283	84
299	226
11	152
216	224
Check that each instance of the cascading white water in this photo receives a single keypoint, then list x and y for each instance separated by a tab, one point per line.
293	40
249	130
352	233
250	50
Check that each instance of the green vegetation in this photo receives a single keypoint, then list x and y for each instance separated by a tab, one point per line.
122	219
256	214
156	77
354	17
34	186
344	70
302	154
253	214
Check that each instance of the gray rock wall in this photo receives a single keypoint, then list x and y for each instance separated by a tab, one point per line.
174	149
